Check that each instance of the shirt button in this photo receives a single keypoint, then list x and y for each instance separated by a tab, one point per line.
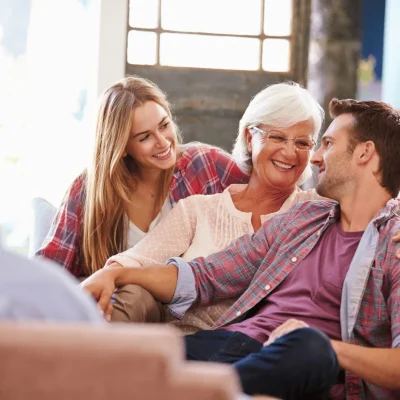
319	233
267	287
294	259
239	313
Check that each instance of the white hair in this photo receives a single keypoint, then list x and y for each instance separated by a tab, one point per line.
281	106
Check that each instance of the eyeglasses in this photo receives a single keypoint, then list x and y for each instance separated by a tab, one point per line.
277	137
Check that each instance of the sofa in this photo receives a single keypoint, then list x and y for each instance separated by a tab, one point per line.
58	361
43	214
46	361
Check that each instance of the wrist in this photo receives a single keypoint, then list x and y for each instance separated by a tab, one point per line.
115	273
336	346
340	350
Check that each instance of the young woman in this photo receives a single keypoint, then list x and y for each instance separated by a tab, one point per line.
138	172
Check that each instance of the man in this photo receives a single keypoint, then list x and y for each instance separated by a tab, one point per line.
319	285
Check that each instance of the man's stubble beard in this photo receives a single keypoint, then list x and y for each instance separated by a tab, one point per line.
334	185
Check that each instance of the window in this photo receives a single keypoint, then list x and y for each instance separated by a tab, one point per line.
249	35
45	93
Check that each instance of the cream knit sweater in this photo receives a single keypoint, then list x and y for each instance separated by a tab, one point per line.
198	226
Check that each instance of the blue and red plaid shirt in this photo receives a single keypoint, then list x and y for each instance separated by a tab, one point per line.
200	169
254	265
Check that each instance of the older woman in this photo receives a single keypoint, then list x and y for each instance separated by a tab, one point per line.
276	136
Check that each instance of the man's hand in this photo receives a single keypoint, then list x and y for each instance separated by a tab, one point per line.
160	281
288	326
101	286
378	366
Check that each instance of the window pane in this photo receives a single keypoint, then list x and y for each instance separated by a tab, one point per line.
212	16
276	55
142	48
278	17
203	51
143	13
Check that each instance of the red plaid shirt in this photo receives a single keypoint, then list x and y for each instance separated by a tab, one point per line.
201	169
254	265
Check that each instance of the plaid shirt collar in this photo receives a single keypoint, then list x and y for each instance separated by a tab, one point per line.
383	215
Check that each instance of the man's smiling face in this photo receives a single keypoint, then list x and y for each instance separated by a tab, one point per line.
335	158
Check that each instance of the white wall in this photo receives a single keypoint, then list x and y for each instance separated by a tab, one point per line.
112	20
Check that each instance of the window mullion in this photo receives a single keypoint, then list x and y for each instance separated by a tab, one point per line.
159	30
260	61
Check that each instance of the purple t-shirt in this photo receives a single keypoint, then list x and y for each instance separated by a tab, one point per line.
311	293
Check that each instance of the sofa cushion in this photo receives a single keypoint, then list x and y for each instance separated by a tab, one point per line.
43	213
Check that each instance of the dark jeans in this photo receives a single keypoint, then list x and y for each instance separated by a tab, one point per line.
299	365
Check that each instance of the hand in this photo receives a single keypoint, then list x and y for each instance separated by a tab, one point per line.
132	263
288	326
101	286
396	238
113	264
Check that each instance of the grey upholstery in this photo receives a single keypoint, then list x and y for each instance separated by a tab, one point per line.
43	213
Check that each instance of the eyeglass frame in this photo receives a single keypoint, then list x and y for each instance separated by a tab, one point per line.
266	134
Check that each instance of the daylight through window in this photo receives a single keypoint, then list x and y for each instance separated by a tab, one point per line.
254	35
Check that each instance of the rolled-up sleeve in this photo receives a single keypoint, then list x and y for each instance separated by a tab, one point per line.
185	292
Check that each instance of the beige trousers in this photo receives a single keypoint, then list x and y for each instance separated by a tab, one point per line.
132	303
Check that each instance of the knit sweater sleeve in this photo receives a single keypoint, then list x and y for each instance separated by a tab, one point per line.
170	238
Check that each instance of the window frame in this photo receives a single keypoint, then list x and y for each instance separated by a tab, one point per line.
261	37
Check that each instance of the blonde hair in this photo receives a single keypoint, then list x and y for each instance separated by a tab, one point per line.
109	177
281	105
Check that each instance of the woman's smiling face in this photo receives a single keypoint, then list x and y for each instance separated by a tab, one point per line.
152	142
280	165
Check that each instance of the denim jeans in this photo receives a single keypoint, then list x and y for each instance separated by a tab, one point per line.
299	365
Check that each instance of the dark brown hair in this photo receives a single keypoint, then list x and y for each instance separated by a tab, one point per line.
380	123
